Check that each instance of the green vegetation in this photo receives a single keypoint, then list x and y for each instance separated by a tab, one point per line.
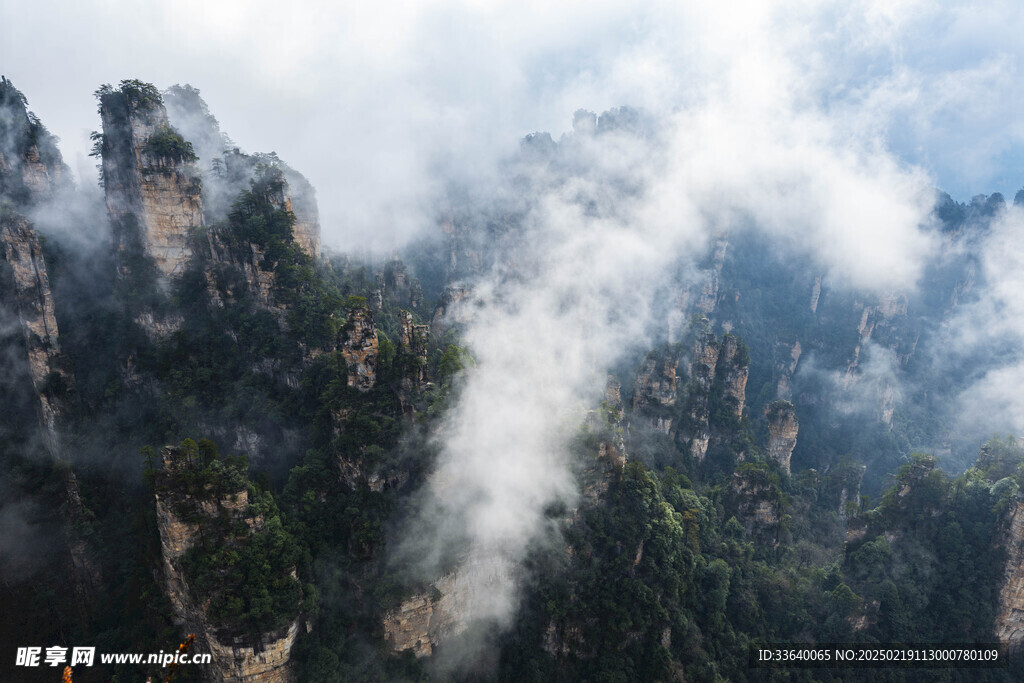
672	565
243	560
167	143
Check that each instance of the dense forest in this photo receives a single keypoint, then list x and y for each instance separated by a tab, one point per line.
213	426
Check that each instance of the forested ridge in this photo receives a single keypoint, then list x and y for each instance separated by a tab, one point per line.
247	426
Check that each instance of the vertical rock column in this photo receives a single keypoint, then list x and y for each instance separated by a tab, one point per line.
52	381
702	375
360	347
782	431
152	191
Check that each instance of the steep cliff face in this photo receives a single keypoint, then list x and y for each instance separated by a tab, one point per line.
428	620
48	367
696	437
227	170
153	190
788	358
237	656
657	386
31	167
1009	622
702	296
360	347
412	359
32	172
595	474
782	432
733	370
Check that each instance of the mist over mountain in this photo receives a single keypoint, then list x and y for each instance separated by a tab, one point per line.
715	364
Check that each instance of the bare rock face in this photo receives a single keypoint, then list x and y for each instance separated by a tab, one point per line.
702	297
782	431
733	369
296	195
1009	622
595	474
300	199
702	375
153	191
48	367
785	367
414	347
359	346
264	657
412	359
32	172
815	294
409	626
656	388
429	619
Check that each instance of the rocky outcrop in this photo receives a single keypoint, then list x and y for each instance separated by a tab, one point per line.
300	199
414	347
815	294
153	190
702	297
595	474
359	345
31	168
697	436
263	657
227	171
733	370
657	386
788	357
412	360
436	616
1009	621
782	432
32	172
48	367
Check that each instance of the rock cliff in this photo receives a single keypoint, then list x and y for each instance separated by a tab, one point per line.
359	345
153	189
428	620
48	367
782	432
718	375
412	359
1009	622
657	386
32	172
181	519
733	370
31	167
227	171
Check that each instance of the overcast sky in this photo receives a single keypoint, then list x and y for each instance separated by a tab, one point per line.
377	103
